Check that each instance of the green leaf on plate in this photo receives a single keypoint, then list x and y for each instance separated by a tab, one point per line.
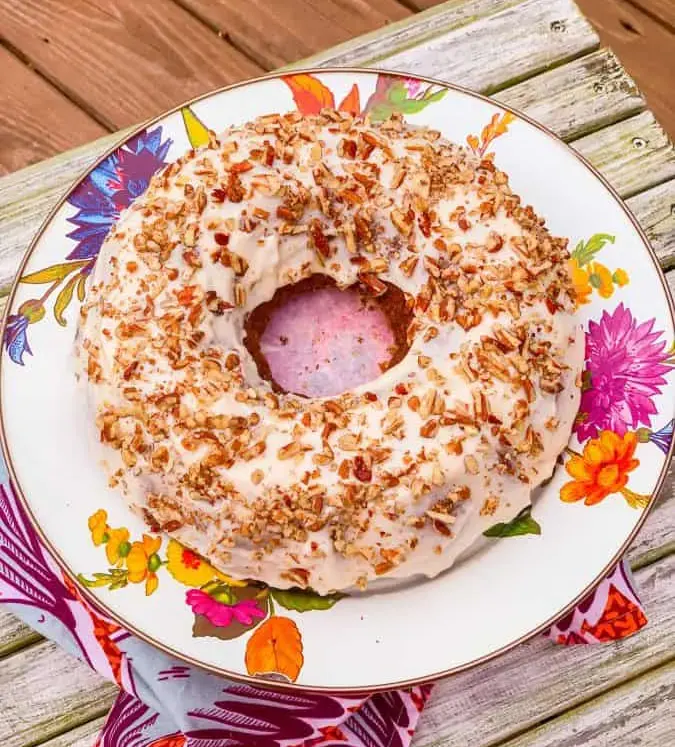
197	131
53	273
524	523
304	601
81	284
585	252
116	578
397	92
436	96
63	299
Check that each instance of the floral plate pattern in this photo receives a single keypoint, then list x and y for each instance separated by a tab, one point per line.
616	459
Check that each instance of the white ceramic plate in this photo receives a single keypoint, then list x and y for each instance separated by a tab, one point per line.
514	587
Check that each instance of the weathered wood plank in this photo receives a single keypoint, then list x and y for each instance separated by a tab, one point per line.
275	34
81	736
556	32
448	16
62	692
633	155
27	196
539	680
643	43
14	635
574	99
656	540
125	60
638	713
27	133
655	209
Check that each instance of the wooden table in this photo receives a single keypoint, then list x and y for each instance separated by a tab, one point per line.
540	56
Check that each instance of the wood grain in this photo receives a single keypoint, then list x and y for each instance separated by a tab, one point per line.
662	10
539	680
423	4
656	211
275	33
80	736
411	32
634	154
646	46
639	712
36	120
14	635
124	60
63	693
655	540
655	536
575	99
556	33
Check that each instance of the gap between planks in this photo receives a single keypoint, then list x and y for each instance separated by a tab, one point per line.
645	42
639	709
26	135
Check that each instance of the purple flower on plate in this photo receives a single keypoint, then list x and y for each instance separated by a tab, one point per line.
16	338
111	187
221	612
16	331
625	369
662	438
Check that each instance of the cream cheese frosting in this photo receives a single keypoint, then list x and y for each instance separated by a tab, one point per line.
395	478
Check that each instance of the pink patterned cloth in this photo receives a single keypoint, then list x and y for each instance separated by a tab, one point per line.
163	702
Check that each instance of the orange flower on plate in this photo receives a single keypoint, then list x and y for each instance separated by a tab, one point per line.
117	547
143	562
580	281
620	277
602	469
98	526
601	278
275	648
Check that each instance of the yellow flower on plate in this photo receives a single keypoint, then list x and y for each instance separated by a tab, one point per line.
151	584
117	547
98	526
191	569
143	562
601	278
581	283
187	567
620	277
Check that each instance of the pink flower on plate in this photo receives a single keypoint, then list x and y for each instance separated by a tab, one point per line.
221	614
625	369
413	86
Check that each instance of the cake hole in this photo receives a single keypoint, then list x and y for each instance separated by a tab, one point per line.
315	340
